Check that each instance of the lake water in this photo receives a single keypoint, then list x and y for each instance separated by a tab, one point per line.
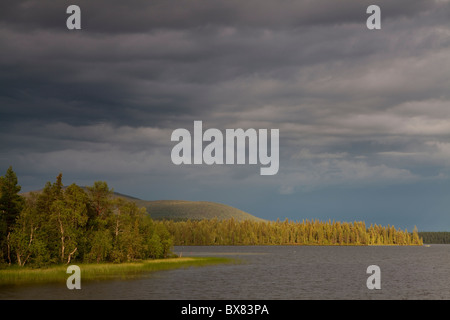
277	273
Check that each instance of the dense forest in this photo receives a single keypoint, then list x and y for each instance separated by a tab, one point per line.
59	225
436	237
231	232
63	224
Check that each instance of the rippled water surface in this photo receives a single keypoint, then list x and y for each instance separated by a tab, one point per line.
277	272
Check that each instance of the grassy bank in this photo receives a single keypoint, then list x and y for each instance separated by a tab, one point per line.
90	272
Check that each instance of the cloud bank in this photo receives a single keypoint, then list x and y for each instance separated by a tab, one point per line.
355	108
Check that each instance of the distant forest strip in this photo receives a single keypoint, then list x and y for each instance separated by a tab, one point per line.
232	232
61	225
435	237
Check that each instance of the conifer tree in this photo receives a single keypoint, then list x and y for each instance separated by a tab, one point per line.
11	203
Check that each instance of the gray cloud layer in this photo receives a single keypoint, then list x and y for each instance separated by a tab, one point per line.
136	16
354	107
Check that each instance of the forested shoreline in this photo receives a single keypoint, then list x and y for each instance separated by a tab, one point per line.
314	232
60	225
435	237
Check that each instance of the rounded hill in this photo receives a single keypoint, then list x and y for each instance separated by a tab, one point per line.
184	210
193	210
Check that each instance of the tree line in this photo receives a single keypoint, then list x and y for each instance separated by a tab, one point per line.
435	237
314	232
60	224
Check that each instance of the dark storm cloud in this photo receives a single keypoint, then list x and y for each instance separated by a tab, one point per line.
117	16
354	107
144	78
185	61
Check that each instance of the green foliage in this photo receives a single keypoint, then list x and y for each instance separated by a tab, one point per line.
435	237
100	196
64	224
100	246
231	232
11	203
156	247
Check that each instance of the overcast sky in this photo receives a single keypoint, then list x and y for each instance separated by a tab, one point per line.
364	115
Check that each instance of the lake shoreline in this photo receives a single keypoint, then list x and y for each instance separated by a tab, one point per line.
102	271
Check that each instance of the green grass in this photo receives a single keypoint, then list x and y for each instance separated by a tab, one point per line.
102	271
